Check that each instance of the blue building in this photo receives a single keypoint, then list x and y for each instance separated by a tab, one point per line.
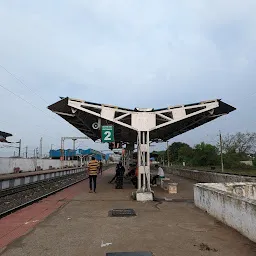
74	154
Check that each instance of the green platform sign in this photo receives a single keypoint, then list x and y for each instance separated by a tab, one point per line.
107	133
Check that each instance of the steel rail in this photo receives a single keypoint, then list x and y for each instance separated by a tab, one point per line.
14	209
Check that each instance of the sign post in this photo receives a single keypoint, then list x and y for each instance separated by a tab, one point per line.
107	133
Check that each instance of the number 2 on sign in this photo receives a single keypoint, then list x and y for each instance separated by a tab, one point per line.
107	135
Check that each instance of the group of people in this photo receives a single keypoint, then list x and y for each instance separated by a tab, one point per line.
95	168
132	175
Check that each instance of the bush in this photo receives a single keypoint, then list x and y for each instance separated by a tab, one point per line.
237	165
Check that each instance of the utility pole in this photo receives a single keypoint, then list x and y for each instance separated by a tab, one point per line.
221	154
74	150
41	148
50	155
26	151
62	151
168	157
19	147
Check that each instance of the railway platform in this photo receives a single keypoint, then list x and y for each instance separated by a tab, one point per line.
9	176
8	181
75	222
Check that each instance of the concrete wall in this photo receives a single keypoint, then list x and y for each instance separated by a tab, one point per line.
244	189
209	177
7	165
250	163
223	201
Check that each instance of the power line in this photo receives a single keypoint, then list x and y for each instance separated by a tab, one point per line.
27	102
19	80
41	133
13	75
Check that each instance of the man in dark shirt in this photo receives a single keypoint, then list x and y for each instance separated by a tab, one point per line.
119	171
120	176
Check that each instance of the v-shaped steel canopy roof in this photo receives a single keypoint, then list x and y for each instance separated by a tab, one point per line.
169	122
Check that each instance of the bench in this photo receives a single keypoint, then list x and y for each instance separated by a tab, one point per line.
169	186
172	188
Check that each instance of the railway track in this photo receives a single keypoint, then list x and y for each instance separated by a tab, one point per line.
11	191
214	171
11	201
16	198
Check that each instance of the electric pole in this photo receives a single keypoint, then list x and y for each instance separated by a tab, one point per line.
74	150
19	147
221	154
41	148
168	157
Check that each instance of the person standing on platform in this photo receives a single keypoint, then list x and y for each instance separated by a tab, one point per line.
120	170
114	178
93	168
134	179
100	167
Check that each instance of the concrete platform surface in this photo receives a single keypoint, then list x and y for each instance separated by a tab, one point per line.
82	227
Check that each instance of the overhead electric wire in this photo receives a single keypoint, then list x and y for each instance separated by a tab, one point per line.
41	133
45	135
27	102
13	75
10	91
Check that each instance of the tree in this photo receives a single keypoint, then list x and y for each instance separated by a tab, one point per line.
160	155
185	154
241	143
254	161
205	155
231	159
174	150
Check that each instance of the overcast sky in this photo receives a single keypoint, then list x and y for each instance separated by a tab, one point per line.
129	53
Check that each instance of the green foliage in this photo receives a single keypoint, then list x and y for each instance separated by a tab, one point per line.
174	150
205	155
231	160
254	162
236	148
185	154
201	155
160	155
